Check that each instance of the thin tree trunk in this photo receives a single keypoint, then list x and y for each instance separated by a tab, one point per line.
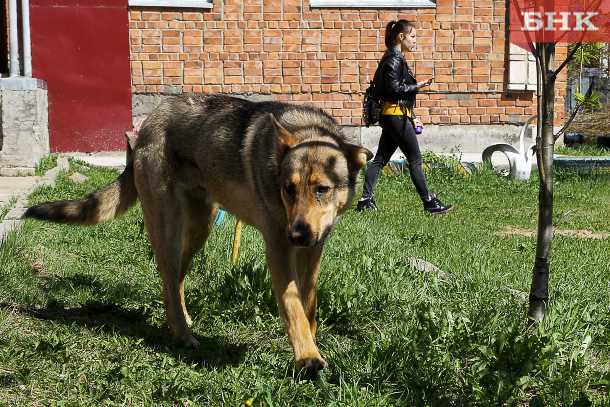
582	56
539	292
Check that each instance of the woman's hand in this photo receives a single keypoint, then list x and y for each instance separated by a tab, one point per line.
418	122
427	82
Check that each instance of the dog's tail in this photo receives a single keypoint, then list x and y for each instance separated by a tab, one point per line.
102	205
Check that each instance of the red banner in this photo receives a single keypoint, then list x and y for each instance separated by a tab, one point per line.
559	21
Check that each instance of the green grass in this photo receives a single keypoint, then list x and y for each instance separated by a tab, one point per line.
45	164
4	209
582	150
81	320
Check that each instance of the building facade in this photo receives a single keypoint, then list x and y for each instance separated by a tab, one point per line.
311	51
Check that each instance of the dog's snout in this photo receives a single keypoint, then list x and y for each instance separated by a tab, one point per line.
300	233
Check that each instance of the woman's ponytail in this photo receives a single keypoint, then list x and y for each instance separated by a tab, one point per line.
389	38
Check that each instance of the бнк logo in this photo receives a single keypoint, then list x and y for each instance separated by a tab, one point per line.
559	21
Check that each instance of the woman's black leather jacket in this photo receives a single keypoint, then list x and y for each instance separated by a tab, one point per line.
394	81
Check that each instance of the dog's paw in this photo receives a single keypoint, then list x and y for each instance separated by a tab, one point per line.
311	368
189	341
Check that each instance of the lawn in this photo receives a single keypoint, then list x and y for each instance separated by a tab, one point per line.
583	150
6	207
81	316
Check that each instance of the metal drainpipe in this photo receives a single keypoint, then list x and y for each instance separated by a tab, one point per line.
14	40
27	49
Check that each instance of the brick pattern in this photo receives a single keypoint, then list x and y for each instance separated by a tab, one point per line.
327	56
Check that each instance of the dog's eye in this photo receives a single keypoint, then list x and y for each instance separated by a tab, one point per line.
290	189
322	189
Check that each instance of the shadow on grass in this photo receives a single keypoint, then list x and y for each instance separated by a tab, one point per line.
214	351
595	175
114	293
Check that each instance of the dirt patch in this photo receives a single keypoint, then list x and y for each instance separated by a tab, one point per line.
592	124
577	233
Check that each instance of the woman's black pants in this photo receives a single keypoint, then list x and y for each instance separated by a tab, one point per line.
397	132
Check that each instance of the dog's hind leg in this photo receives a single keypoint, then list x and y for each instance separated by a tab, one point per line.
199	218
286	287
165	220
307	264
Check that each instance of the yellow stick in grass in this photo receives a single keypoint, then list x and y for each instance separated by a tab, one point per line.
236	241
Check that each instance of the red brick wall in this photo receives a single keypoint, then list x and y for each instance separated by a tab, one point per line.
327	56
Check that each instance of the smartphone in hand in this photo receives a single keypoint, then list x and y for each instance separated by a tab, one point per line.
427	82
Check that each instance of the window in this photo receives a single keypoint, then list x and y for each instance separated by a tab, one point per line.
522	74
374	3
172	3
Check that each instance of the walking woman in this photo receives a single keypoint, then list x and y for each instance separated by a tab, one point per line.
397	87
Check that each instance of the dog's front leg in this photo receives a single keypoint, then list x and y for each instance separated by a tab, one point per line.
307	265
286	287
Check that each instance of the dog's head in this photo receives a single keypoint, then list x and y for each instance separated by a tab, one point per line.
317	179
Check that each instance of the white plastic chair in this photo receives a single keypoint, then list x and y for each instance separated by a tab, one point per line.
520	161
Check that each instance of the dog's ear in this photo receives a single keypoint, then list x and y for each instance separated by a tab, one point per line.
357	156
285	139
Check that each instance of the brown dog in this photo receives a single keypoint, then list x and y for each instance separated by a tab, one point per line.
285	169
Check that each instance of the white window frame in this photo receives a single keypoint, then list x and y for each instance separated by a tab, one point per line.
522	73
374	3
171	3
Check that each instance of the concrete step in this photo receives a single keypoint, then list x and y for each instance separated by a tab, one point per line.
111	159
14	186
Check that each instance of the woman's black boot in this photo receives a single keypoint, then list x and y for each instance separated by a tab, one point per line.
435	207
366	204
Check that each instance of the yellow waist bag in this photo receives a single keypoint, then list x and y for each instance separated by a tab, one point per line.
394	109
